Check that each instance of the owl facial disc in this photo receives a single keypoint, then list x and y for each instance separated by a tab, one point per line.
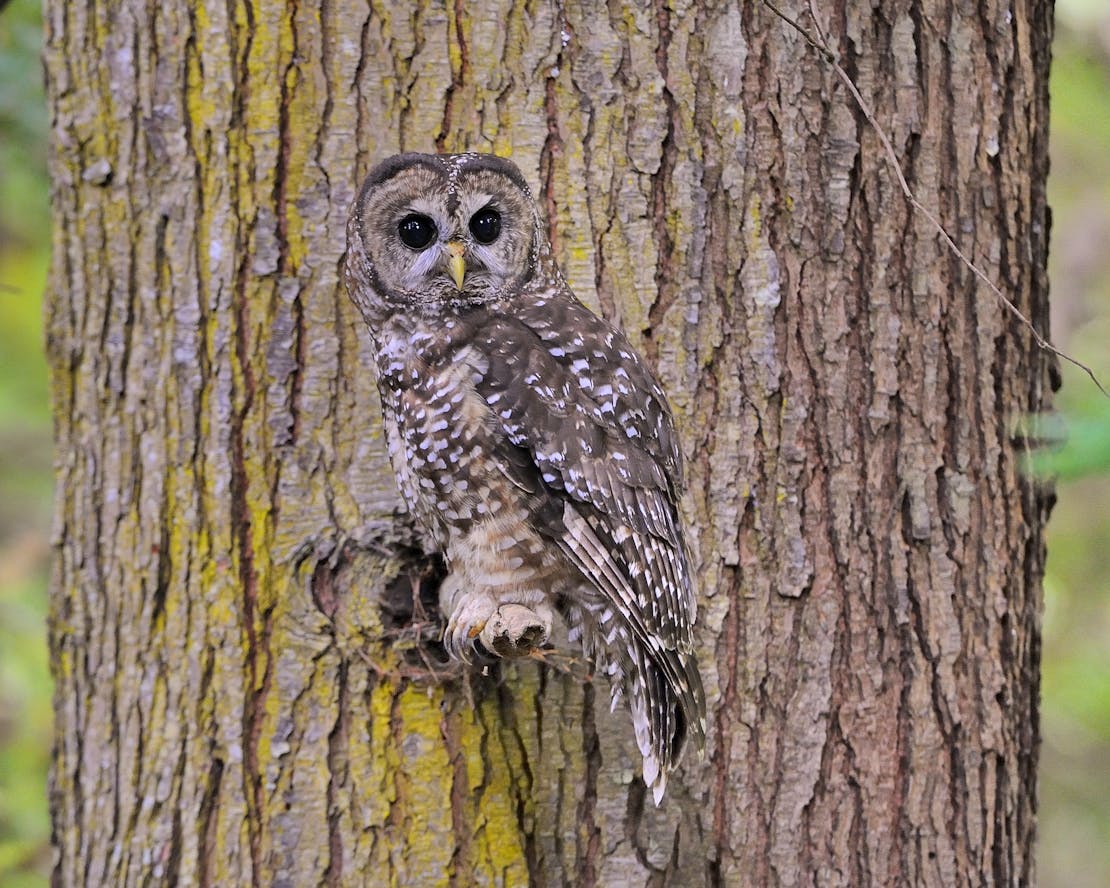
437	230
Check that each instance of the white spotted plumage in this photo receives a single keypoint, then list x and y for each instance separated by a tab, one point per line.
528	438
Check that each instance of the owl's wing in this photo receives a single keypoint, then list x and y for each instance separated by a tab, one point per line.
571	392
576	401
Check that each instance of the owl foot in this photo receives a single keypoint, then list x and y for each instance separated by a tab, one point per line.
511	630
468	618
515	631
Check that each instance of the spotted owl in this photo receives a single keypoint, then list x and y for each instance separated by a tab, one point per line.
530	441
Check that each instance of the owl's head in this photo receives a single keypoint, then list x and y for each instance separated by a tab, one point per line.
435	229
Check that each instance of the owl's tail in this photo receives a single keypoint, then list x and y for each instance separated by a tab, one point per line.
667	703
665	697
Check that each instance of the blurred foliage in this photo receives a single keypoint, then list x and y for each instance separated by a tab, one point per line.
25	688
24	210
1075	782
1074	844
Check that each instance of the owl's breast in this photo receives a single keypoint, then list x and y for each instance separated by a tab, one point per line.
443	436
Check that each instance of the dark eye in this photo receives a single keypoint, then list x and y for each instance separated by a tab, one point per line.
416	231
485	225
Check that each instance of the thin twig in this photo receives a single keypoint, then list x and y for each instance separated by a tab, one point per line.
821	44
822	49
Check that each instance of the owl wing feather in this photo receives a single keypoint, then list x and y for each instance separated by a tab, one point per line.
597	427
617	453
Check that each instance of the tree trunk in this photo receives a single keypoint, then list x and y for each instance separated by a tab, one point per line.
247	683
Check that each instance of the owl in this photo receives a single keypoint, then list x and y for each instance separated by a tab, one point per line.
530	441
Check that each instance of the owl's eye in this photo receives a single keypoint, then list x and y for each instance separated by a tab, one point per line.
485	225
416	231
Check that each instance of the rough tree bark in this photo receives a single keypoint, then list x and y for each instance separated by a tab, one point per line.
241	694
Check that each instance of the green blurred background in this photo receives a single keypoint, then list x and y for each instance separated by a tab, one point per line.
1075	769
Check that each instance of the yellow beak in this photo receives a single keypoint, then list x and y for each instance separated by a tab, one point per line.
456	265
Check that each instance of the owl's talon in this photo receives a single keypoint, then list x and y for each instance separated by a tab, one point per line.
467	623
459	636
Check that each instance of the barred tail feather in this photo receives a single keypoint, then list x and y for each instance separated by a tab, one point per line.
646	633
667	710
